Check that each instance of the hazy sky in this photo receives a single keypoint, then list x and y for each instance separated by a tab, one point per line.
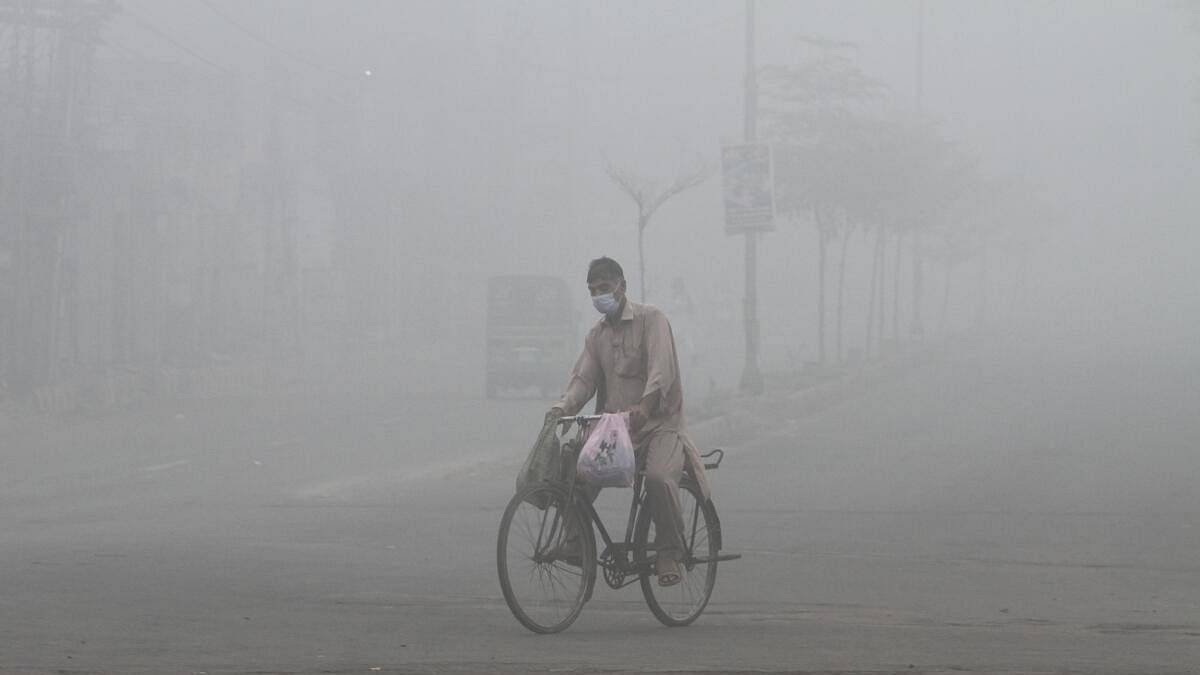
504	114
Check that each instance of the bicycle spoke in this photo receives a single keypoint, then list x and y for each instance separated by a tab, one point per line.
543	591
681	603
695	520
556	581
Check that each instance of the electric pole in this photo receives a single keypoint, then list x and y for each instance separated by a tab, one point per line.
917	327
280	255
752	380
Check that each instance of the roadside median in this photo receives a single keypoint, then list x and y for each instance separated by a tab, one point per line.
799	395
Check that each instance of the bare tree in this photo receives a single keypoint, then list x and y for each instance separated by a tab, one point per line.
648	197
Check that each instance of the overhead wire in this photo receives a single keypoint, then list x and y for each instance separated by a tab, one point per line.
146	25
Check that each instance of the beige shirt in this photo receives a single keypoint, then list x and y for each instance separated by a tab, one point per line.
631	358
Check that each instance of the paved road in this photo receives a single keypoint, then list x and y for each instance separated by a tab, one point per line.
1009	511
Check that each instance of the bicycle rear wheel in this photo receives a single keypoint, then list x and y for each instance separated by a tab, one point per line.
545	581
681	604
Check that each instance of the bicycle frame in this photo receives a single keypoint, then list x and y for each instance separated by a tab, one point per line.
615	558
550	544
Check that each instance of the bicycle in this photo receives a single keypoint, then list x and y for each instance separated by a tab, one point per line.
546	582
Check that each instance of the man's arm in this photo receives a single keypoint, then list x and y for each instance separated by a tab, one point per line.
661	367
642	410
582	385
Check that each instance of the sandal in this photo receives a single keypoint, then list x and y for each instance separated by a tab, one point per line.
668	572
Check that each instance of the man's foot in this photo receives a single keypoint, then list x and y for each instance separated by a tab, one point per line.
668	572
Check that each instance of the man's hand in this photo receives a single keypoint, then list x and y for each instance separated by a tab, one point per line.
639	413
637	417
552	415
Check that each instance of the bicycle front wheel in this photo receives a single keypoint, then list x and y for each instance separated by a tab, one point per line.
681	604
546	558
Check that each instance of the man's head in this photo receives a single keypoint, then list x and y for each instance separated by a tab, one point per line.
606	283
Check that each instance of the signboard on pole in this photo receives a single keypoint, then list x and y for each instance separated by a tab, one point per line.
748	183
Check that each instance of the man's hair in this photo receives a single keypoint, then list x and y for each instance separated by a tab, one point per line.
604	268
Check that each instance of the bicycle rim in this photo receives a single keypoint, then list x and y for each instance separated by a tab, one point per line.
543	591
681	604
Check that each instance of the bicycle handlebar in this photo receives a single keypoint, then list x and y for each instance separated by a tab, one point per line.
567	419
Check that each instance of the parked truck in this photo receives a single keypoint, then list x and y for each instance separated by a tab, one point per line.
532	334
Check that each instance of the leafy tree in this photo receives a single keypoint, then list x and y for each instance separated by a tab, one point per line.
923	174
815	114
844	161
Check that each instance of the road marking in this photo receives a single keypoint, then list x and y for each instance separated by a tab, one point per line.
168	465
350	484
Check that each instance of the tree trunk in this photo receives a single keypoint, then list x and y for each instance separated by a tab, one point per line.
641	257
1020	300
875	276
841	289
945	301
982	303
881	245
822	240
896	290
870	308
917	327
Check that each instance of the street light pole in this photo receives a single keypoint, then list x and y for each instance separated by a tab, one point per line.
752	380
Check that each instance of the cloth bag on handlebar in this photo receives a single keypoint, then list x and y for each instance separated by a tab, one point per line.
543	461
607	458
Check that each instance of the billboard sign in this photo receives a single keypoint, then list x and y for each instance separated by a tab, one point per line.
748	181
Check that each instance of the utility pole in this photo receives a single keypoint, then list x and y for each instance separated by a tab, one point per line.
280	263
752	380
916	327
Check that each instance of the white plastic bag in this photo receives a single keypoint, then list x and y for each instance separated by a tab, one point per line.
607	458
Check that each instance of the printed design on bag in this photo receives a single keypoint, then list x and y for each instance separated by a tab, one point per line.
607	457
607	445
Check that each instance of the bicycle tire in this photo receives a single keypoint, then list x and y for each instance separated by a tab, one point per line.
683	603
543	591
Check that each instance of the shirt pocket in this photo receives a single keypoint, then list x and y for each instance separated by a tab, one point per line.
630	358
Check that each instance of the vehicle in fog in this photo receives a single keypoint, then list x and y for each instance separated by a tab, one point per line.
532	335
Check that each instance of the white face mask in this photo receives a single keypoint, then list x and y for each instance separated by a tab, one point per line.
606	303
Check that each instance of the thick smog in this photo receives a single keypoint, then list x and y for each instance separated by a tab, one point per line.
324	324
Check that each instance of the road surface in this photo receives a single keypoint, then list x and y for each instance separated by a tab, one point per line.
1001	511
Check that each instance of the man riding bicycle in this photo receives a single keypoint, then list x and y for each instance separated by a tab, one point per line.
629	364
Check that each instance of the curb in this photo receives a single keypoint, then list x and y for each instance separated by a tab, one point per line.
739	424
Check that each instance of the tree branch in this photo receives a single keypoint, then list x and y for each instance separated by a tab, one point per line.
633	186
686	179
